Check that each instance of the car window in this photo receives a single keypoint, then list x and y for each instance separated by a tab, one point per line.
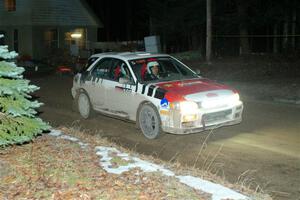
102	68
89	63
120	70
126	72
168	70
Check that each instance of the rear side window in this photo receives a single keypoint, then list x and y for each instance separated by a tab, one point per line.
89	63
102	68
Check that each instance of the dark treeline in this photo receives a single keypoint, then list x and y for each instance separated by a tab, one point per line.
239	26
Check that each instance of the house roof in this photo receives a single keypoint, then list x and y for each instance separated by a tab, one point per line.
50	13
66	12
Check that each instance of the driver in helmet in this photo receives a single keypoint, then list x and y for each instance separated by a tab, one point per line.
152	71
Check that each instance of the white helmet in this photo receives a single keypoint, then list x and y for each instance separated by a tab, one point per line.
150	65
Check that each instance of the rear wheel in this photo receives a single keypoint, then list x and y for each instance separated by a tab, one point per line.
84	105
149	121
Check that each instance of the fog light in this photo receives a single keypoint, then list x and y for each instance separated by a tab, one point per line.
164	112
189	118
188	124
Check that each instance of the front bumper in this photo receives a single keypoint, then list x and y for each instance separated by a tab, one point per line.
206	120
183	131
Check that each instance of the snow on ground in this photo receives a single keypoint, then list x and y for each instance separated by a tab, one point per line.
105	153
59	134
217	191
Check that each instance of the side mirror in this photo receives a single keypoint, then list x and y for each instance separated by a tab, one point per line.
198	72
123	80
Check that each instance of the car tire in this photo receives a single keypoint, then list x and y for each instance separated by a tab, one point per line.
84	105
149	121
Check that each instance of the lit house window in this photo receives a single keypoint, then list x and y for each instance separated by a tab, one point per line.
76	36
10	5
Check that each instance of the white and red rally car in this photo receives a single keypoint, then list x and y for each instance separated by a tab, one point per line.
171	98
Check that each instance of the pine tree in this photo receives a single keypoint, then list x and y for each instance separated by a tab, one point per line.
18	121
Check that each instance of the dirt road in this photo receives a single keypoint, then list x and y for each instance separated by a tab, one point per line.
263	151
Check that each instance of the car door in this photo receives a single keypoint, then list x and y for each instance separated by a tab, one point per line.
120	96
99	72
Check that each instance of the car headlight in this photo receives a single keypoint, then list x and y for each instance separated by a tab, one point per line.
185	107
234	98
188	107
188	110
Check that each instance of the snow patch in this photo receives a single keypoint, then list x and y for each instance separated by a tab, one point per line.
217	191
83	145
146	166
66	137
58	133
55	133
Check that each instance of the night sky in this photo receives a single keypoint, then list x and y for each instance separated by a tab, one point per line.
122	20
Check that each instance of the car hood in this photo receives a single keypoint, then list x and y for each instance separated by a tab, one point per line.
194	90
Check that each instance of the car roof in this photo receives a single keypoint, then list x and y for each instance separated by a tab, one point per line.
129	55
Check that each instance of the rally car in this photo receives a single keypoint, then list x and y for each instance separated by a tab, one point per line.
157	91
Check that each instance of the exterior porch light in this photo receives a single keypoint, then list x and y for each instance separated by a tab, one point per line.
76	35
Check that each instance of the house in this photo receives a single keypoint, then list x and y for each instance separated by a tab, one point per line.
36	27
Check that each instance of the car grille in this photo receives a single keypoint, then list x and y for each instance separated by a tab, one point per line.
216	116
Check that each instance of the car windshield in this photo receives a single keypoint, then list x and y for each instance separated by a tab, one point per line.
160	69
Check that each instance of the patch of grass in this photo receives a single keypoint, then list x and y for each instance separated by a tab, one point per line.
53	168
118	161
47	166
4	169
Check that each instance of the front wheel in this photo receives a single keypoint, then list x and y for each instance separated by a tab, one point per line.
149	121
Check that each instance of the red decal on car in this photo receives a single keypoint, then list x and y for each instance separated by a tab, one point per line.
187	87
173	97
